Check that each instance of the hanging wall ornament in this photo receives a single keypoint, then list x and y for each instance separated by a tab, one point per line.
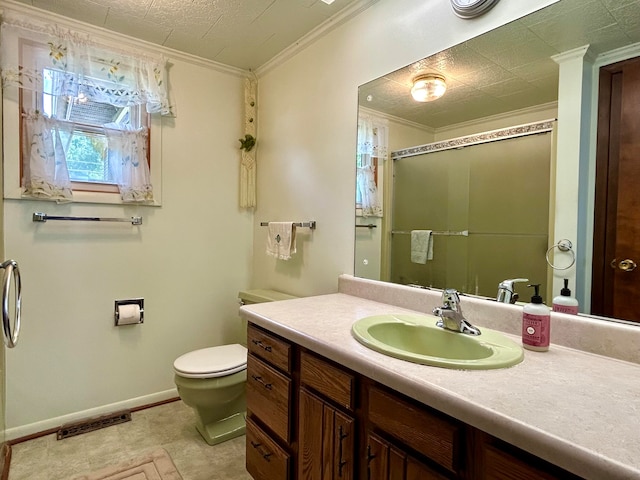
248	146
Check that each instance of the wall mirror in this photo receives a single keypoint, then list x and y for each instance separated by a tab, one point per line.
460	166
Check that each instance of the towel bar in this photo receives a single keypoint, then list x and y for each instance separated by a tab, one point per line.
369	226
464	233
311	224
43	217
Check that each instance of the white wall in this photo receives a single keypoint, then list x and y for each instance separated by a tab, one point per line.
307	128
188	260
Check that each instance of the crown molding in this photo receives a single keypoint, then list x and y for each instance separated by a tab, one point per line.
324	28
398	120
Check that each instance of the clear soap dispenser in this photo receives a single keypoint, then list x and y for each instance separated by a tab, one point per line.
536	323
565	303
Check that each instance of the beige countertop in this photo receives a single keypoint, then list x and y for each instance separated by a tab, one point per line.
578	410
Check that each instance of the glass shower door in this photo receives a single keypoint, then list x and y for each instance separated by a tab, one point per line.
11	300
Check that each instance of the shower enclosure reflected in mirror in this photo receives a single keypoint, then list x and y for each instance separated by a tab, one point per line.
504	199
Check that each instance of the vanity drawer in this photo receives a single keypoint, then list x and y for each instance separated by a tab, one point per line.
269	347
329	380
420	428
265	459
512	464
269	396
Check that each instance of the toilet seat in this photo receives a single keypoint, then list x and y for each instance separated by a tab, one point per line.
212	362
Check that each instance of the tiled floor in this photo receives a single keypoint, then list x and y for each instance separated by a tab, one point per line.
170	426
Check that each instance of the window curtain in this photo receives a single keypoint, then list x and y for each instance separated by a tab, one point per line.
127	159
106	74
373	139
44	166
100	73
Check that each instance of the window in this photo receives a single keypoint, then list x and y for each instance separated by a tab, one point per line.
85	144
85	114
361	164
371	150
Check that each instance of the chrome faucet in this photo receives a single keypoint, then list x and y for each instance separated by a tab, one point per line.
506	290
450	313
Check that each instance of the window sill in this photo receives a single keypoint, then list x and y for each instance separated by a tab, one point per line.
359	214
86	197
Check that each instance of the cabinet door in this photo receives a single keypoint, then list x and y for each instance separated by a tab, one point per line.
326	441
384	462
387	462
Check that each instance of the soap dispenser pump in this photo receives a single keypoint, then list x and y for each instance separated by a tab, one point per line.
536	323
565	303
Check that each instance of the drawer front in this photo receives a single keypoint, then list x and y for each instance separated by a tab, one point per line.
421	429
270	348
265	459
269	396
333	382
500	465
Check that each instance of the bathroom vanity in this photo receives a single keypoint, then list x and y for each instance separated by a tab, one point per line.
323	406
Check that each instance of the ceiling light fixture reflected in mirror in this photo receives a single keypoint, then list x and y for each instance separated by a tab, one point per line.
429	87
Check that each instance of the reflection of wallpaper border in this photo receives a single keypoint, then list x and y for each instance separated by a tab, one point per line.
467	140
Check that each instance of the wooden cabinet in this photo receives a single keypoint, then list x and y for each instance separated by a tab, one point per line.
269	396
269	406
422	429
326	440
266	460
385	461
497	460
268	347
311	419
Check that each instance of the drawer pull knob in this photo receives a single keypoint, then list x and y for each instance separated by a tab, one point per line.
266	348
260	451
258	379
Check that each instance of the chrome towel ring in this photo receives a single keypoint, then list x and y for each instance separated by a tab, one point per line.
563	245
11	270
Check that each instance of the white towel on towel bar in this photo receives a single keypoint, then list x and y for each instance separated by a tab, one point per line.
421	246
281	239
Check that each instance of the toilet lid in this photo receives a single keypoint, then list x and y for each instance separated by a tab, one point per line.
212	362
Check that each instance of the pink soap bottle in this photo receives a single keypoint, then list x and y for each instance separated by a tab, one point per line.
536	323
565	303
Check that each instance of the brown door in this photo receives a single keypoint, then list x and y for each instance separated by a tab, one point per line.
616	278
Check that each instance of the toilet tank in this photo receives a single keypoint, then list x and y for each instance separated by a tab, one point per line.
248	297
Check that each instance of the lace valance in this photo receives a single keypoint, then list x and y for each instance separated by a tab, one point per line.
82	67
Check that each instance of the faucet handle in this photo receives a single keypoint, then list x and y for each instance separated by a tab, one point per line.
450	298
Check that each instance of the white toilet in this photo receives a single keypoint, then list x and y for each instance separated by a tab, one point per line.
212	380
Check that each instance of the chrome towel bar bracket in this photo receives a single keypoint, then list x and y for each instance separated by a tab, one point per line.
43	217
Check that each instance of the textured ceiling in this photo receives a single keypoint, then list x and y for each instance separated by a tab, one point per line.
240	33
508	68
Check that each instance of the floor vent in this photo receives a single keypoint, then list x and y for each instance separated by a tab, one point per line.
91	424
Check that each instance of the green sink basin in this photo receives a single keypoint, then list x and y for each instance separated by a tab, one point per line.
416	338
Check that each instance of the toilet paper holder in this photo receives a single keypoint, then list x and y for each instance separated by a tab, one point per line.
118	306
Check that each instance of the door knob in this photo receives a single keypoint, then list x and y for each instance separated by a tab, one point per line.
627	265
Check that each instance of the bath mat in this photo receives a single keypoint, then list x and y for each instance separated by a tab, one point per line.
156	465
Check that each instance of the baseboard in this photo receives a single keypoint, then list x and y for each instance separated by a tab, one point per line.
5	461
52	424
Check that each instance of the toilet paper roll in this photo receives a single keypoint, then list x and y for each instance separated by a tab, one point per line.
128	314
